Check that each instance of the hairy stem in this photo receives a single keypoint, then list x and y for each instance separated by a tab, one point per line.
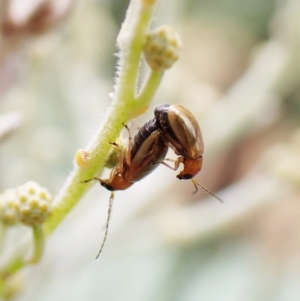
130	42
149	88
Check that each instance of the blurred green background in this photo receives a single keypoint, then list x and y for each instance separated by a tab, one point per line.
238	74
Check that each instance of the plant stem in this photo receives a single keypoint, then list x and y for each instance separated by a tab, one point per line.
149	88
39	243
130	41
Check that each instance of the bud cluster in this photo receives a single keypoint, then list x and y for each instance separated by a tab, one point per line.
29	204
162	48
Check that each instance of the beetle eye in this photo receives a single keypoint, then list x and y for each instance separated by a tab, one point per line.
184	177
107	186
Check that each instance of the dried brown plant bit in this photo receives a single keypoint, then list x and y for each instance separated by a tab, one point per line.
35	19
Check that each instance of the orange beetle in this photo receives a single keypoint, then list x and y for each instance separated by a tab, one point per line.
183	135
141	157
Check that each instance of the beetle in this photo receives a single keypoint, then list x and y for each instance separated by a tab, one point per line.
182	133
142	156
140	159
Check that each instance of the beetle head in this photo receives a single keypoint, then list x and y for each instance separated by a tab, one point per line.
191	168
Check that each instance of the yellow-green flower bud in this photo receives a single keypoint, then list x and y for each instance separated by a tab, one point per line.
34	203
82	159
162	48
9	207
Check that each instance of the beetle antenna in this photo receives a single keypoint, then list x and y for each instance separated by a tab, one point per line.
206	190
111	198
89	180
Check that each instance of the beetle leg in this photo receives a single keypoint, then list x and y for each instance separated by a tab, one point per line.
95	178
205	189
118	169
165	164
129	147
176	162
111	198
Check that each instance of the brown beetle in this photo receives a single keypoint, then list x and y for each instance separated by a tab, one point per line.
183	135
141	157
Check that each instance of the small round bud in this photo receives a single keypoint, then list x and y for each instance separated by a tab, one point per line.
34	203
9	207
162	48
82	158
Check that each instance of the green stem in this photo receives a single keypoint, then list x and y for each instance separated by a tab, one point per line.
11	268
149	88
38	244
38	249
130	41
133	34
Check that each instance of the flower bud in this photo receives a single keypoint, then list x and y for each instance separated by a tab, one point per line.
9	207
162	48
82	159
34	203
